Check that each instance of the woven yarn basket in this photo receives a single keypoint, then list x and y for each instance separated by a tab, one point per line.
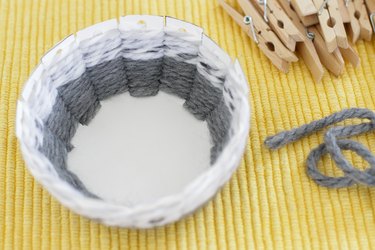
144	55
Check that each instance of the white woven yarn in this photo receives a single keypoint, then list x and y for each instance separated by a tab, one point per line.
104	42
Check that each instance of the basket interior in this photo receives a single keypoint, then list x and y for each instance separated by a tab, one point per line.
134	59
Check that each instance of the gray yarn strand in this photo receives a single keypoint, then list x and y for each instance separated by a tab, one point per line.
333	144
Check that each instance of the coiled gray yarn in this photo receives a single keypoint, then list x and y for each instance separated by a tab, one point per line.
334	142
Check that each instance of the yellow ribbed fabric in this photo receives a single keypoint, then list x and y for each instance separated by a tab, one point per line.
269	202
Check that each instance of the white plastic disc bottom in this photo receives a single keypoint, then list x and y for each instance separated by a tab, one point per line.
140	149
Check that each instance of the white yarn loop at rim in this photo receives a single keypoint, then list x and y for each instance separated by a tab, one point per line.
138	36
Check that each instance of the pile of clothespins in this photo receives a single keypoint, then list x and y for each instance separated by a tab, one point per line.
321	31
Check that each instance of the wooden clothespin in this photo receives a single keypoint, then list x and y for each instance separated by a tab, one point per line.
305	7
305	10
363	19
334	61
261	33
354	28
279	22
349	54
305	48
332	26
344	10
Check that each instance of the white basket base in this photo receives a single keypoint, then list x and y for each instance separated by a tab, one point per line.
137	150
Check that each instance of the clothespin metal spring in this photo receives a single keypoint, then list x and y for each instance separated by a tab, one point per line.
310	35
249	21
321	8
264	2
372	19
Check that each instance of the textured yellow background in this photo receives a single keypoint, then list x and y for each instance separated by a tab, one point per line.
269	203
